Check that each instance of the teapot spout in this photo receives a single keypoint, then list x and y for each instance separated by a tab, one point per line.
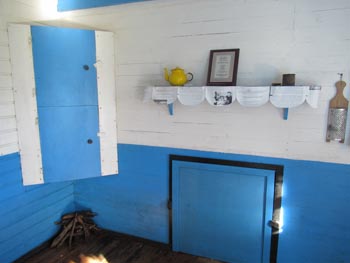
166	74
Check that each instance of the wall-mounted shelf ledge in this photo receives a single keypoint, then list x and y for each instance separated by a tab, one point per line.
222	96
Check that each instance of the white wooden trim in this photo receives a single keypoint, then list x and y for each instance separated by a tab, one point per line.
25	103
107	102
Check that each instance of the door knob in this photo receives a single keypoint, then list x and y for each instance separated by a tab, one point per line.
86	67
89	141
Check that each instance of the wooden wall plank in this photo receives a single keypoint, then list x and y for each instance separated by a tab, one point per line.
8	136
25	103
6	96
4	54
8	148
5	66
8	122
19	210
28	213
26	199
5	81
12	232
3	38
8	127
35	235
7	109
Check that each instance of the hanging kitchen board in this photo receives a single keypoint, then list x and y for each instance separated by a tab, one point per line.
337	114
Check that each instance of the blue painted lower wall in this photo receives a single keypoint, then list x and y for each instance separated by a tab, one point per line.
27	214
315	201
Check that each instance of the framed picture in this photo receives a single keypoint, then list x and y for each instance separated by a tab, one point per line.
223	66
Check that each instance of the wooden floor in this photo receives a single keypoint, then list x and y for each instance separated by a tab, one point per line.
115	247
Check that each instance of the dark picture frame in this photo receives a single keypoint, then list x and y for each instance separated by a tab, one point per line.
223	67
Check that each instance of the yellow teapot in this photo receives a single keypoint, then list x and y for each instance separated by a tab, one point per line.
178	77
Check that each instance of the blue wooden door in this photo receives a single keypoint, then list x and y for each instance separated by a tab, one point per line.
66	92
221	211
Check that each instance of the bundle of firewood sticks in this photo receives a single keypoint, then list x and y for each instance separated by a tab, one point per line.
75	224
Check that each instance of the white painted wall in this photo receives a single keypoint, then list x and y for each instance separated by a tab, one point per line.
308	38
8	130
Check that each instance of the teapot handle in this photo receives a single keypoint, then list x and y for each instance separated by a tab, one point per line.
189	73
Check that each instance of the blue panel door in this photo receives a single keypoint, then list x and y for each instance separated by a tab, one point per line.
64	66
221	211
69	143
66	92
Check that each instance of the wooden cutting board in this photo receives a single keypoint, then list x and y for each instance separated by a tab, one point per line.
339	101
337	115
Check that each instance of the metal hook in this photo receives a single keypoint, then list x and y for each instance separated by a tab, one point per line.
341	76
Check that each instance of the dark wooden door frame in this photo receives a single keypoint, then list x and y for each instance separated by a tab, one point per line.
277	199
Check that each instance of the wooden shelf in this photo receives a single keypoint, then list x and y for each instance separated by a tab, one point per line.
284	97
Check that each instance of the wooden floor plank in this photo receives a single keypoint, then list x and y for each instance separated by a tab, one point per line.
116	248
